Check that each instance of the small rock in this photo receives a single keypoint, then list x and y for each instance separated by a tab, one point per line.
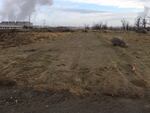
11	97
16	101
47	106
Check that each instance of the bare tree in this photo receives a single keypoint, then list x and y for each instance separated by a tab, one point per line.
141	24
100	26
86	28
104	26
125	24
97	26
138	23
144	23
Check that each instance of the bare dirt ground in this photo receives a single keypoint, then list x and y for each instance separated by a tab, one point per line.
74	73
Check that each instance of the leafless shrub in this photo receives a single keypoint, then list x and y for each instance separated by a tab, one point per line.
138	23
100	26
86	28
97	26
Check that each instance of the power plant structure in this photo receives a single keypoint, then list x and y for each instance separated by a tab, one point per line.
15	24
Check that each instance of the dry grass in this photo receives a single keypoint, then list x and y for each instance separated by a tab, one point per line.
81	63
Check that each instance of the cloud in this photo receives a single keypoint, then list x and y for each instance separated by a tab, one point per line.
82	11
68	18
116	3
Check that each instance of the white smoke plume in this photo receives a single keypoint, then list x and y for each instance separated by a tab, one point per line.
145	13
21	9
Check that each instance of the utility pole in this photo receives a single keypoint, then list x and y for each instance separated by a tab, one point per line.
30	21
44	23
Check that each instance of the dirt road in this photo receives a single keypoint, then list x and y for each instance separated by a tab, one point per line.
28	101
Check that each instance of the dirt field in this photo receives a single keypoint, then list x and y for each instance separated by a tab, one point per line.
74	73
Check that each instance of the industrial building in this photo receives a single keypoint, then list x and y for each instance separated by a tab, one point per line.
15	24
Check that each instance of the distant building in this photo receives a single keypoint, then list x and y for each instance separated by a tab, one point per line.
15	24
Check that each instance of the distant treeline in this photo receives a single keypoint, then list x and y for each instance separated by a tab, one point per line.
142	25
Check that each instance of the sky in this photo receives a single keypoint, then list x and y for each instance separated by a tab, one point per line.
79	12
